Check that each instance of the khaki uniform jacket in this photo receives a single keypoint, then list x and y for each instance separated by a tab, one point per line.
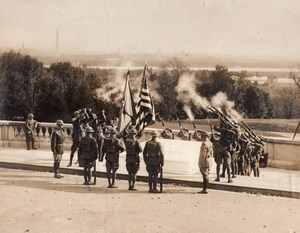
205	154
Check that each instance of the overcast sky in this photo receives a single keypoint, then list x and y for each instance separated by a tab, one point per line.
255	28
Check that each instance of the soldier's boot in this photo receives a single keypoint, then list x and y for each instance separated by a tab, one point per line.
89	176
133	182
228	174
155	186
71	159
108	179
233	170
204	185
28	145
85	177
257	171
150	184
113	180
32	145
58	166
218	172
223	170
129	182
55	168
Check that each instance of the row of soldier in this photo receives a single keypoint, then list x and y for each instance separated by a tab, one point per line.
95	139
238	152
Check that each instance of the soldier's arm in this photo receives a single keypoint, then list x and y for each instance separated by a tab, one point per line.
162	157
53	142
139	147
27	126
120	146
145	153
95	149
102	150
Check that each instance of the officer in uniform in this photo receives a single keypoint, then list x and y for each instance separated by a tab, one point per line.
30	128
154	159
76	136
57	146
204	161
88	151
133	148
111	149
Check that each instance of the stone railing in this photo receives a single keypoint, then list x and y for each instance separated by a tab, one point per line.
282	153
12	134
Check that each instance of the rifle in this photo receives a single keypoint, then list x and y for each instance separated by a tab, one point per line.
95	177
196	135
194	126
250	132
161	179
222	116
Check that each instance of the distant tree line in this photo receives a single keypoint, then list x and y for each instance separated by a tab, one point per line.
26	85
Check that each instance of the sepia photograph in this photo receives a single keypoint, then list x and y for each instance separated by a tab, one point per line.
158	116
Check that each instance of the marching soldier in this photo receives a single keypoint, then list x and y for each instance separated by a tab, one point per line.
30	128
88	151
154	159
133	148
57	146
111	149
205	161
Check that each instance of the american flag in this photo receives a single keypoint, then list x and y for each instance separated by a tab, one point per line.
145	107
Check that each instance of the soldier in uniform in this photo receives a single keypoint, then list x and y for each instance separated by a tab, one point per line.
217	153
184	134
76	136
154	159
57	146
30	128
225	141
256	154
167	133
88	151
101	117
204	161
111	149
133	148
243	141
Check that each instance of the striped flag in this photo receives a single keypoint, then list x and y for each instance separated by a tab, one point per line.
127	113
145	107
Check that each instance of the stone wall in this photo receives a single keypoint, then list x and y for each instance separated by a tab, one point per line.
282	153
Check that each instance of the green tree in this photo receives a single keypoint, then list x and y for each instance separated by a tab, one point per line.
20	92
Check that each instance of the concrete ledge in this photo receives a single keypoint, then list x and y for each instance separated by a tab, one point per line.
216	186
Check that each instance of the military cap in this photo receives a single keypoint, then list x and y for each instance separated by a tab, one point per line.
113	131
59	122
204	134
89	129
76	112
132	131
154	133
30	115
